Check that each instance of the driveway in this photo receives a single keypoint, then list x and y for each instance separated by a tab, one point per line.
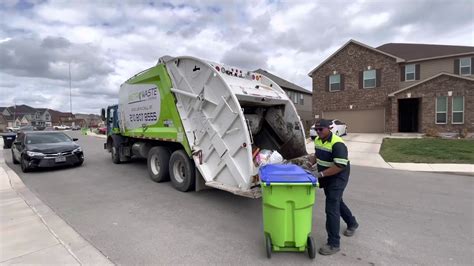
363	149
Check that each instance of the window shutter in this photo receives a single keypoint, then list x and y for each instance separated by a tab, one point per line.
327	83
342	82
378	77
472	65
361	79
456	66
402	73
417	72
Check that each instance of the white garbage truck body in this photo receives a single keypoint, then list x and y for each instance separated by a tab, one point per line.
224	112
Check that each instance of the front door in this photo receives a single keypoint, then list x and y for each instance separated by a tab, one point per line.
408	115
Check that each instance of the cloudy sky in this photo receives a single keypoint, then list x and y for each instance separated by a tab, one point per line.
106	42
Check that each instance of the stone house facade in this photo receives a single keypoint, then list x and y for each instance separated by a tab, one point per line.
375	91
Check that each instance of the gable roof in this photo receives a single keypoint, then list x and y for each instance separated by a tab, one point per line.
398	59
414	51
283	82
21	109
426	80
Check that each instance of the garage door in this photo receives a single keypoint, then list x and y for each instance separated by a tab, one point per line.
361	121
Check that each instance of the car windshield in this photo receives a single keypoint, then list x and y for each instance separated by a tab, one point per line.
47	138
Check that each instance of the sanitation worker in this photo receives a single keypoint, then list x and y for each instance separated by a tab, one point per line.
332	170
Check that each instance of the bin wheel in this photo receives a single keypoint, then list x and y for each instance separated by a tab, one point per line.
268	246
311	248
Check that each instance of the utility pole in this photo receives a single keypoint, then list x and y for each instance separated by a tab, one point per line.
70	90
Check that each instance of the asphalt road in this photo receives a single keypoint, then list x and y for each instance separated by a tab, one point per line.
404	217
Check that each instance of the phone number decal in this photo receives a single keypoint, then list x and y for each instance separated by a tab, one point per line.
143	117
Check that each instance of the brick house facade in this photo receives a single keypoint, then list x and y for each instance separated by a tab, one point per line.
446	86
366	88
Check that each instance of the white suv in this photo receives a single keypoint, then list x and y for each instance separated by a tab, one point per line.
337	127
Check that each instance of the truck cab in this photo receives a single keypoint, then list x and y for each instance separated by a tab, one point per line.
111	119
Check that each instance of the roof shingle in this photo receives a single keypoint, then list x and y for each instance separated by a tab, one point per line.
413	51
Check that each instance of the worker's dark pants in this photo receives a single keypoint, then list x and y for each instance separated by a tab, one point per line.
336	208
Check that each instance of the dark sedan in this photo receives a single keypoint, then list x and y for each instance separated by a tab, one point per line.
33	149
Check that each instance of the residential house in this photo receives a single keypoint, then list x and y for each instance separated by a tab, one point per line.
60	118
301	98
17	114
3	122
397	87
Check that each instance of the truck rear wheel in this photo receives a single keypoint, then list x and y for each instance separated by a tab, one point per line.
182	171
158	164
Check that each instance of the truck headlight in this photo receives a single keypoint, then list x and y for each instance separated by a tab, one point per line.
77	150
34	154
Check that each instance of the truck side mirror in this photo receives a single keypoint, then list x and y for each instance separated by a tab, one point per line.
102	114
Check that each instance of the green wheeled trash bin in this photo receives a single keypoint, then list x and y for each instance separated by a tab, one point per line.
288	195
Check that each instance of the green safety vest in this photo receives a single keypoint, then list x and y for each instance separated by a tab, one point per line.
324	154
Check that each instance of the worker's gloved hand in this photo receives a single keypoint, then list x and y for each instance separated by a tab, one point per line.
317	174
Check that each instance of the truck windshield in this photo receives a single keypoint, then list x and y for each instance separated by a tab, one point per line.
47	138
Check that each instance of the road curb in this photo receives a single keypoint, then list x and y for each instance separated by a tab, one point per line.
73	242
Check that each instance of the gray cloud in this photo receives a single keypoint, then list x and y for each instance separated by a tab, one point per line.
107	42
50	58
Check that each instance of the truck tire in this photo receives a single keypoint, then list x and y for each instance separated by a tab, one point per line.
158	160
115	154
182	173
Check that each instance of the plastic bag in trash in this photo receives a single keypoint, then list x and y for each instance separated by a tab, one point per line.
275	158
268	157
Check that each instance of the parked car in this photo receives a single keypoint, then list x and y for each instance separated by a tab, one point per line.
13	129
102	130
62	127
35	149
76	127
337	127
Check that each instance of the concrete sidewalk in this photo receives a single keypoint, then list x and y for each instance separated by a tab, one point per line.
31	233
364	151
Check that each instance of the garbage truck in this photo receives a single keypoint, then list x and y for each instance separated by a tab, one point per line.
199	123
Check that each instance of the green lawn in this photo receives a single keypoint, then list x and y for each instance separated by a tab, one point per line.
428	150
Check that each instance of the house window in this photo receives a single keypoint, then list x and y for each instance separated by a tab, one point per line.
295	97
335	82
410	72
369	79
301	99
441	110
458	110
47	117
465	66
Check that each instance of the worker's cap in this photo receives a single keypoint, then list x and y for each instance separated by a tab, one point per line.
322	123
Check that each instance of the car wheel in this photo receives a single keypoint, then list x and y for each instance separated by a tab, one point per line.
158	161
15	161
24	165
182	169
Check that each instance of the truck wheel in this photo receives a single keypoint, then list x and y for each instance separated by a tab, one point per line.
115	154
182	171
158	164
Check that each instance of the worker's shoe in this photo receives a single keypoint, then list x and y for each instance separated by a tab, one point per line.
351	230
328	250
